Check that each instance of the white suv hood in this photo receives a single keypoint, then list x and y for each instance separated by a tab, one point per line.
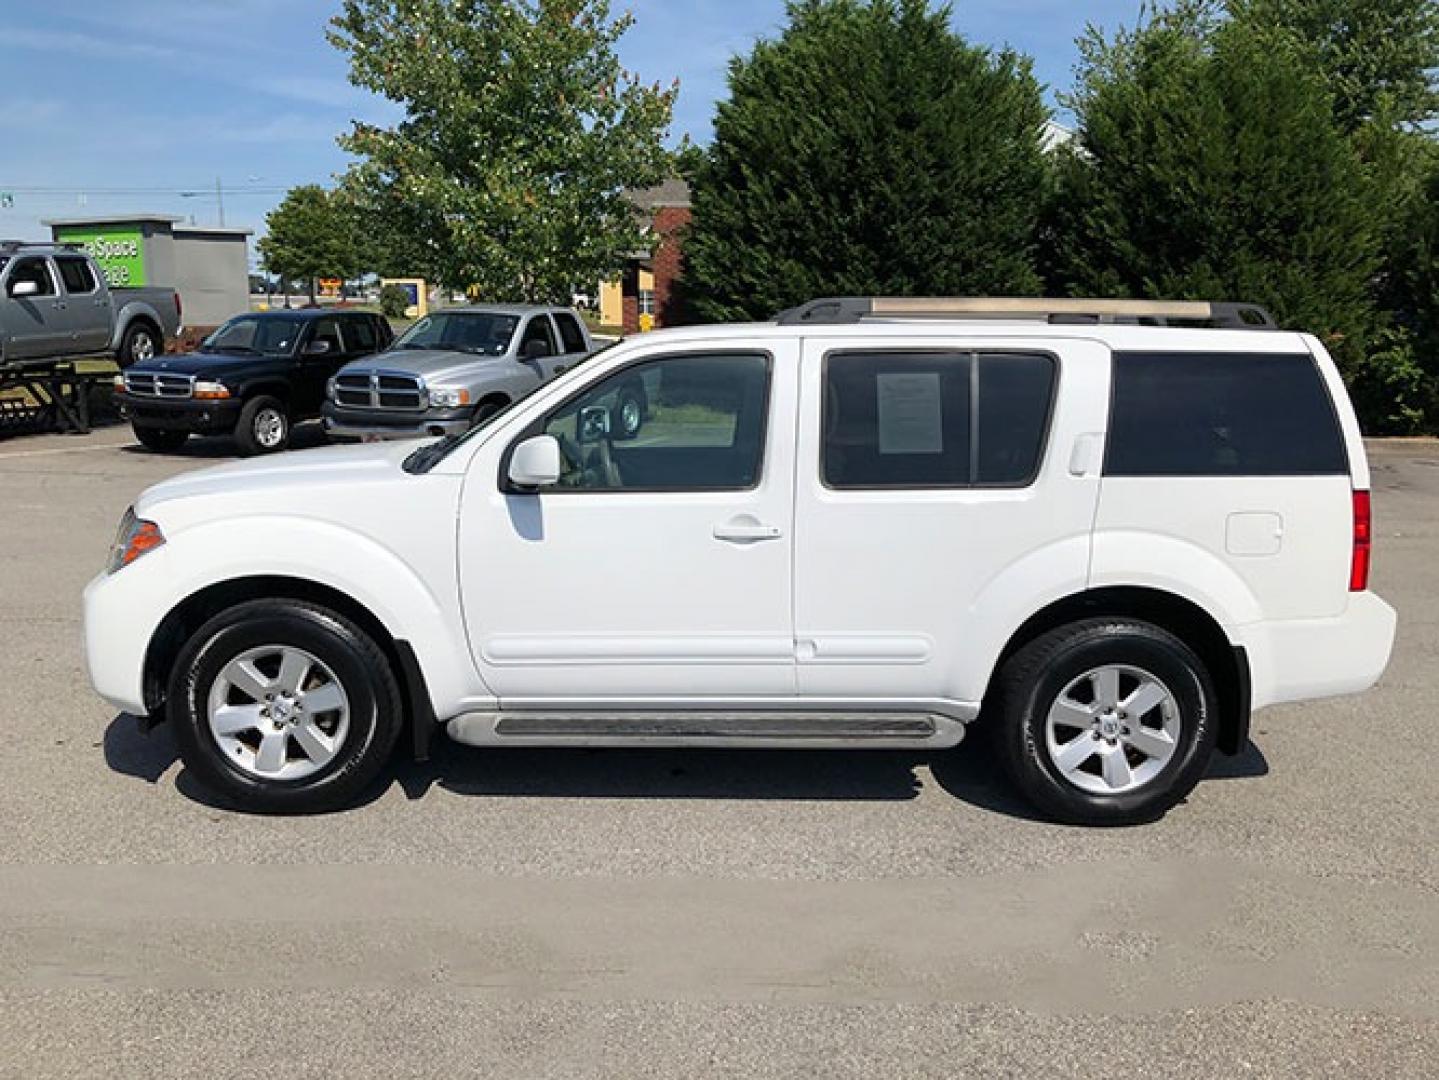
281	482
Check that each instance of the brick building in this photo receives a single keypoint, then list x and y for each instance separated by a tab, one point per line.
648	285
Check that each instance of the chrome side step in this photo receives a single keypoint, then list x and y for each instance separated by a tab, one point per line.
705	728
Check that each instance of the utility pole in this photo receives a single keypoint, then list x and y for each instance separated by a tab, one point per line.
220	200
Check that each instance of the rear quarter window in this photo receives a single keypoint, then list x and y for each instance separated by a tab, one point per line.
1222	414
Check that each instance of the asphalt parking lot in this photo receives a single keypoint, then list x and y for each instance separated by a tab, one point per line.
695	914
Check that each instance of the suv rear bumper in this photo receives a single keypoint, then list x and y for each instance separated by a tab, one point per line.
1304	659
200	417
385	424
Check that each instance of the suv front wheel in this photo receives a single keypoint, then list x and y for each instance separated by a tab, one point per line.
264	426
284	707
1104	722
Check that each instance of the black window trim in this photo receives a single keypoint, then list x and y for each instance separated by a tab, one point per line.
974	354
556	320
537	427
1114	355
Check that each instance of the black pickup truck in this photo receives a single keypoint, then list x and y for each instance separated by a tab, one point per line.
254	377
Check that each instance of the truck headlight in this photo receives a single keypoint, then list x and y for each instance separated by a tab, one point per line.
211	391
441	398
136	537
330	389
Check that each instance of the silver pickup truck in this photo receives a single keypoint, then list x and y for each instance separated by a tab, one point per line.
54	304
453	369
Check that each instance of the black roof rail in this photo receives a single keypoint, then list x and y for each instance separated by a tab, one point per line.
848	310
49	245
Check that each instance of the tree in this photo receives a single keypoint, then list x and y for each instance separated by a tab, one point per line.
867	150
1208	166
521	134
310	235
1378	56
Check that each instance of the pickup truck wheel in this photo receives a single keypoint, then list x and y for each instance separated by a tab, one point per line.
1104	722
629	414
161	440
139	344
284	707
264	427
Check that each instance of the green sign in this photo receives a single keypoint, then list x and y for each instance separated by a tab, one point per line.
119	249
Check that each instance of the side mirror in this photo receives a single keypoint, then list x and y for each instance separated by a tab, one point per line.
318	348
535	349
24	288
535	463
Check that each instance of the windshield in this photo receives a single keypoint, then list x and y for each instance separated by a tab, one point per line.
484	333
260	335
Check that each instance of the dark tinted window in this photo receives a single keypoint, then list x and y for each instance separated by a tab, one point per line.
1222	414
360	334
36	270
538	331
914	420
684	423
570	332
76	275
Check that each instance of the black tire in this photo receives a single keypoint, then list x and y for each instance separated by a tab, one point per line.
629	414
1032	680
485	410
254	434
160	440
141	342
358	665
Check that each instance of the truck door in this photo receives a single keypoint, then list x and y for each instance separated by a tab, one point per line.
89	308
35	324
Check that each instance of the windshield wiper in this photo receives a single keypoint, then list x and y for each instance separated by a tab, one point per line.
427	457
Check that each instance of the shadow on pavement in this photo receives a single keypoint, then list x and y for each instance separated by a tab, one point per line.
969	773
305	436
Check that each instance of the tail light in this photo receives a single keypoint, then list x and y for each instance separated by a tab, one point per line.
179	308
1363	542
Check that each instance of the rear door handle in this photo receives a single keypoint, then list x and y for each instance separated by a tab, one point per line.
746	530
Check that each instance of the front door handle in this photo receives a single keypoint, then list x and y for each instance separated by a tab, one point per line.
746	530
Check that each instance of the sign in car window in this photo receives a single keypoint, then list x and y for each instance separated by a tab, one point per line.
119	251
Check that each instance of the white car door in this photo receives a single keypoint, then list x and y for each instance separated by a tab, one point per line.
947	490
659	568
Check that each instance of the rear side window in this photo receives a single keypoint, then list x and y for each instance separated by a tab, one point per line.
1222	414
570	332
935	420
76	275
360	332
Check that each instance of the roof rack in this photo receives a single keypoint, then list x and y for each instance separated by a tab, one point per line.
846	310
13	246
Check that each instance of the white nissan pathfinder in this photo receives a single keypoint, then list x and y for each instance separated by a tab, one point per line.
1103	531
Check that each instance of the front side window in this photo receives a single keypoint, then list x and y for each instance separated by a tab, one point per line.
935	420
683	423
36	270
539	339
77	275
484	333
256	335
1222	414
328	331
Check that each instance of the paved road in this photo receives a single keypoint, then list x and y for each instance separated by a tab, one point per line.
525	914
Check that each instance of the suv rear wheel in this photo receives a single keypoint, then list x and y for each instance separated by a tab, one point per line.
264	426
1104	722
284	707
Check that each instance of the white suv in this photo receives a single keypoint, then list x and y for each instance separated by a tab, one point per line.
1103	536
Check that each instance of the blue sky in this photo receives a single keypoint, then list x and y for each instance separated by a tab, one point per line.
120	107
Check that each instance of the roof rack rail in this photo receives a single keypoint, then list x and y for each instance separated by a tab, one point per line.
51	245
846	310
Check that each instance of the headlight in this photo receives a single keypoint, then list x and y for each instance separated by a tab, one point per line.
136	537
211	391
120	383
441	398
330	389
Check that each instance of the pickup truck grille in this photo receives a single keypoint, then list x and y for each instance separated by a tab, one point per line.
158	385
380	390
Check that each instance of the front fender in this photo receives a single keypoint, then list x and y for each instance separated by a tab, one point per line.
124	610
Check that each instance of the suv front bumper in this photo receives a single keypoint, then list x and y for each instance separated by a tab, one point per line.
187	414
386	424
